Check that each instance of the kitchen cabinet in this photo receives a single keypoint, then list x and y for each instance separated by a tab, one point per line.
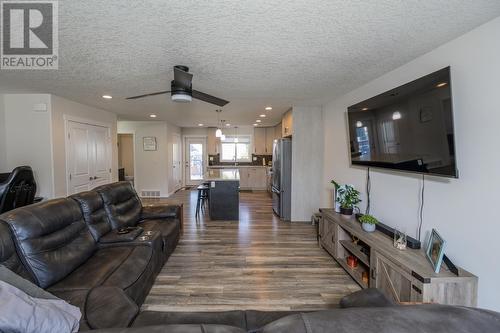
213	143
259	141
287	124
253	178
277	131
269	140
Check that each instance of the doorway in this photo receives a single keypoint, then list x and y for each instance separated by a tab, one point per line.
126	170
195	160
176	162
88	158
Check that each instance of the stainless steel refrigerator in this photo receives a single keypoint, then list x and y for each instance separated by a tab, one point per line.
282	178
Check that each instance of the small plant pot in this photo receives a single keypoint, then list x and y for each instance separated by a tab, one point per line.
368	227
346	211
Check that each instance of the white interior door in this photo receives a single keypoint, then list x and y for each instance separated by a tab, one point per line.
176	162
195	161
89	156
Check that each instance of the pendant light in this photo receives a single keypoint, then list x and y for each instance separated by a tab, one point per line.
218	132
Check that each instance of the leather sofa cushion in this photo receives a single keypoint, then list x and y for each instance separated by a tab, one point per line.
176	329
52	239
122	204
410	319
230	318
8	254
249	320
257	319
93	212
101	307
114	266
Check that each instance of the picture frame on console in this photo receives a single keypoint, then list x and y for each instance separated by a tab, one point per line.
435	250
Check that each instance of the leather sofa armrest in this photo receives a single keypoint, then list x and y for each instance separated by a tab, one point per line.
108	307
114	237
370	297
161	211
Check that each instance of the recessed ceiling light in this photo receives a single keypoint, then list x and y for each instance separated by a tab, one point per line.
200	125
364	109
262	116
258	121
268	108
107	96
256	124
152	116
442	84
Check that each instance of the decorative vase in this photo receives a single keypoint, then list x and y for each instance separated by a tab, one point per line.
336	204
346	211
368	227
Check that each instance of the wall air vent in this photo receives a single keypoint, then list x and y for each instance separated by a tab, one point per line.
150	194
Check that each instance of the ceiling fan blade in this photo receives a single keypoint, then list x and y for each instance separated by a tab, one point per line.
182	78
146	95
209	98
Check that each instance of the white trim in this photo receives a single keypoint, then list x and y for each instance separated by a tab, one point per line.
205	155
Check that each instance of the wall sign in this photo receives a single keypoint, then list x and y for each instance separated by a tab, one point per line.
149	143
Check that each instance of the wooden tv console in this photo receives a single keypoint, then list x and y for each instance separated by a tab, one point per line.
402	275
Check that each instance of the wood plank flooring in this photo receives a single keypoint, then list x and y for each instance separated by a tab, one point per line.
258	262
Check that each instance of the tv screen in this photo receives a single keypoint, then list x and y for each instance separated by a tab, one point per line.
409	128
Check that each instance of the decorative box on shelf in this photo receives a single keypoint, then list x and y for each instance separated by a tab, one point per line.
404	276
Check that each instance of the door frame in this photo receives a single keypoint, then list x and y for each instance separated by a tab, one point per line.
184	148
67	119
133	151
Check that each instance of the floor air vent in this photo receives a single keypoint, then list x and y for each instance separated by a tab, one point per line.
150	194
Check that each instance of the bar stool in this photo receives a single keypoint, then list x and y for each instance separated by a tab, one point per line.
202	198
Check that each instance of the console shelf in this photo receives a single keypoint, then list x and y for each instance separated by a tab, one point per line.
404	276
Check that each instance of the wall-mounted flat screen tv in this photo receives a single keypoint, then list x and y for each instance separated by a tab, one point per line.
409	128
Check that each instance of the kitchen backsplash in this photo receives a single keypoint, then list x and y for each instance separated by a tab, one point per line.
256	160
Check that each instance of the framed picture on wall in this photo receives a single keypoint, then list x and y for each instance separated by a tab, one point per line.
149	143
435	250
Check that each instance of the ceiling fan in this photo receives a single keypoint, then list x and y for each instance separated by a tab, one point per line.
182	89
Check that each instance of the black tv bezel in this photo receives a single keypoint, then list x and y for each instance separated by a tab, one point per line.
377	165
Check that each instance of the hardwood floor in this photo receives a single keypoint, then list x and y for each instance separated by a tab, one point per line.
256	263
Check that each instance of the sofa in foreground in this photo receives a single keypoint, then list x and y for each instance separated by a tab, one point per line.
99	250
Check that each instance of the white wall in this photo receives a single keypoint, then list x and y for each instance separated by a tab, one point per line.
151	167
62	108
307	162
3	152
28	138
462	210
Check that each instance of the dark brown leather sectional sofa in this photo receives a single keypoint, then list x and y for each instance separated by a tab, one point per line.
71	248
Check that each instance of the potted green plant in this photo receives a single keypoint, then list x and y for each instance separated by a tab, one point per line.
368	223
348	197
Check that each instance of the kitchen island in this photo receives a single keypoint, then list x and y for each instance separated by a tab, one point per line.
224	193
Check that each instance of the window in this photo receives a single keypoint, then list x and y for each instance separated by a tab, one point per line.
236	149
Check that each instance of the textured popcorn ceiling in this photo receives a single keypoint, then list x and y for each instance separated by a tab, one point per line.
253	53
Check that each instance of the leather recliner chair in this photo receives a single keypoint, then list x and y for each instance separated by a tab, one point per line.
18	189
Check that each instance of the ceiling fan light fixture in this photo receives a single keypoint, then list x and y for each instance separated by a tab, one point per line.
181	98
